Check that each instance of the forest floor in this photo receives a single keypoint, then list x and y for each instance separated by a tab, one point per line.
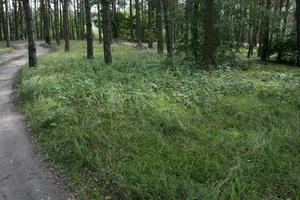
23	173
139	129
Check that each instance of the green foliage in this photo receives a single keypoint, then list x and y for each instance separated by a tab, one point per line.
139	130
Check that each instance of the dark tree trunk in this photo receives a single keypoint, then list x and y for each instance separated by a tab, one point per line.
150	21
168	28
45	14
36	20
286	13
106	32
82	19
195	30
116	33
3	21
30	34
21	20
61	23
266	33
66	25
138	25
89	35
16	20
7	29
160	43
298	30
76	21
208	52
57	34
99	21
130	20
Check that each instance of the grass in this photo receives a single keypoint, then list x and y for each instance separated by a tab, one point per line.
138	129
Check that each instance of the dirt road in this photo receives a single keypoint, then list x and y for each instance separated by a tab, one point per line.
23	173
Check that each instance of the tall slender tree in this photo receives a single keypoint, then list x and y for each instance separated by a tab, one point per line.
106	32
168	27
298	30
150	21
266	33
30	34
7	28
138	25
89	35
66	25
99	21
208	52
160	44
56	19
130	20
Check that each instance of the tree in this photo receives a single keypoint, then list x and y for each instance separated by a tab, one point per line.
130	20
266	32
138	25
45	16
150	21
106	32
30	34
208	53
66	25
7	28
57	34
99	21
168	27
298	30
160	44
89	35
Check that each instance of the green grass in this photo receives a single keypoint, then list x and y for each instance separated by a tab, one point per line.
4	49
138	129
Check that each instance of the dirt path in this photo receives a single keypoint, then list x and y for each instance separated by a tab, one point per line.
23	174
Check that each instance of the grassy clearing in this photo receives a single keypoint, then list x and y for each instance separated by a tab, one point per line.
4	49
139	130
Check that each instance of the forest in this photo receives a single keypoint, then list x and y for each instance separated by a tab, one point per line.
161	99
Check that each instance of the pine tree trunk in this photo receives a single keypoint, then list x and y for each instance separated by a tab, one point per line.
130	20
106	32
36	20
150	21
76	20
138	25
266	33
45	16
66	25
298	30
99	21
16	20
160	43
168	28
21	20
30	34
3	21
195	30
116	33
56	19
7	29
89	35
208	53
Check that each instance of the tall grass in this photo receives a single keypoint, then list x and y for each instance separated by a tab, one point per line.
138	129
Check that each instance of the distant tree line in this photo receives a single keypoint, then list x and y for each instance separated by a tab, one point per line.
207	32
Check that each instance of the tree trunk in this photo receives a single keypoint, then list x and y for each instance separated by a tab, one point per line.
266	33
138	25
116	33
298	30
106	32
208	52
30	34
3	21
36	19
76	20
56	19
66	25
150	29
89	35
130	20
16	20
99	21
21	20
45	15
168	27
7	29
160	42
195	30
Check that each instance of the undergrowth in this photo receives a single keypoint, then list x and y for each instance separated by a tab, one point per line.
138	129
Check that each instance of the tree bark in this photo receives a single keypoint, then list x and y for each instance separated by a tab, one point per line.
168	27
36	19
99	21
130	20
298	30
45	15
266	33
30	34
66	25
89	35
16	20
160	43
208	52
138	25
21	20
106	32
7	29
150	21
1	20
56	19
